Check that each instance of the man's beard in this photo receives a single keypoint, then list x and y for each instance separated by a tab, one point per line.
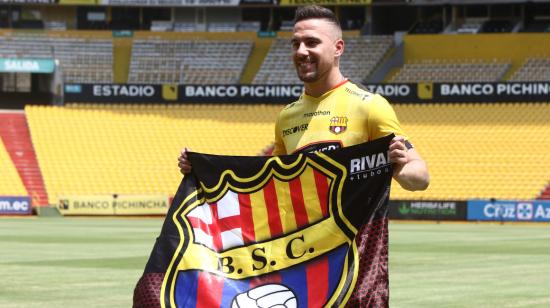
309	76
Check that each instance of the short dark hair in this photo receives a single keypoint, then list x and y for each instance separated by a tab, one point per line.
315	12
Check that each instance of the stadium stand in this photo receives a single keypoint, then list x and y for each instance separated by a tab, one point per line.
537	26
132	149
249	26
497	26
473	150
15	136
186	27
427	27
59	25
222	27
362	54
277	67
80	59
470	26
23	46
161	25
444	70
534	69
187	61
85	60
491	150
10	182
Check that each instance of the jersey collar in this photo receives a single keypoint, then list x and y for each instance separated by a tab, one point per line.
326	94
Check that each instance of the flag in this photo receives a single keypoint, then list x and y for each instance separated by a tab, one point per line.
301	230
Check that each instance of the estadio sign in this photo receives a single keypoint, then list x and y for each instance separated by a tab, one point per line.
167	93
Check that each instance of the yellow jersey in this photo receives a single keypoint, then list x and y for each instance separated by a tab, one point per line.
344	116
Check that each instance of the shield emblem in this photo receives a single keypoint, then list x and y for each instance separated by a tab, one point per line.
276	235
338	125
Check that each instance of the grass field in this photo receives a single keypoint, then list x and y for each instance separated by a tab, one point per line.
95	262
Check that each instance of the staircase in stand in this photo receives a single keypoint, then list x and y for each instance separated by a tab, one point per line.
15	134
545	195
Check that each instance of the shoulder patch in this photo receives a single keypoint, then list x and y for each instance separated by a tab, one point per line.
360	92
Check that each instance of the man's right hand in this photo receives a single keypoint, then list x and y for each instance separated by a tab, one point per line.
183	162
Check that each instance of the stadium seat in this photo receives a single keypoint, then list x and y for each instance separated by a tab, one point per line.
132	149
81	60
493	150
187	61
445	70
533	69
10	182
484	151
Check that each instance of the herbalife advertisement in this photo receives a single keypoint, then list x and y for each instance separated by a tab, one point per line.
509	210
428	210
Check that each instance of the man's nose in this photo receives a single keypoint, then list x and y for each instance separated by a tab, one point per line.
302	50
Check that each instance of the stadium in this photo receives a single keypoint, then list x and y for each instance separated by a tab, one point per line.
98	98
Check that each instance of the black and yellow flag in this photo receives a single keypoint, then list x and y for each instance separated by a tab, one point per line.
303	230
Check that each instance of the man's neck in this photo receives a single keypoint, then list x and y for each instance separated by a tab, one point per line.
320	87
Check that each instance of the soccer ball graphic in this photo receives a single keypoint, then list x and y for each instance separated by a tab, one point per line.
266	296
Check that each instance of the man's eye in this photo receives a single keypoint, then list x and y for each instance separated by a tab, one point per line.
311	43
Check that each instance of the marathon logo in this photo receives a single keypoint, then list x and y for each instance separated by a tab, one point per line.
317	113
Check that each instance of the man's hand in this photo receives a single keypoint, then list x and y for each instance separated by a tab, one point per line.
398	151
183	162
409	169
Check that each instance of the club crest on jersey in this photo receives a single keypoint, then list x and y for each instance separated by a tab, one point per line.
338	125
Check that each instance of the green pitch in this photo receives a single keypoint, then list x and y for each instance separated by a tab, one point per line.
95	262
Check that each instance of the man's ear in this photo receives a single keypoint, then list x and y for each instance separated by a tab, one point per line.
339	44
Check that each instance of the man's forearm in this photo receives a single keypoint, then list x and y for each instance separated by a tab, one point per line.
413	175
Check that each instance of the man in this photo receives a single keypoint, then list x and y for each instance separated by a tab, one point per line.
333	112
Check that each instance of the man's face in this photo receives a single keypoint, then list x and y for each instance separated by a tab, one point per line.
316	46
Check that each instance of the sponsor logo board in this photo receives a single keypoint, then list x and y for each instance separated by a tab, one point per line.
15	205
498	210
284	94
114	205
141	205
427	209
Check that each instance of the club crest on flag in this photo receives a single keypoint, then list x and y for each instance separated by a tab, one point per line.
338	125
269	229
286	231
